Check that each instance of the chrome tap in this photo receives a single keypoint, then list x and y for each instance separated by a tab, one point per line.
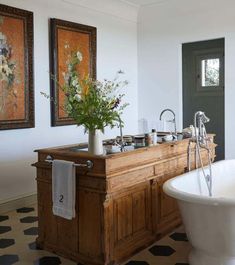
173	120
199	120
201	140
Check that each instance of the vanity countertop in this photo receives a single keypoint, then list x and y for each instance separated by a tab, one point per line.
115	162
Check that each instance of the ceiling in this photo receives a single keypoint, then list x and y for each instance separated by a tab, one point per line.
142	2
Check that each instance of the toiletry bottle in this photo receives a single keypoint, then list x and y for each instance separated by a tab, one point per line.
148	139
154	137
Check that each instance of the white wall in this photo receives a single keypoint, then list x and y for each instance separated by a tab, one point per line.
116	49
163	28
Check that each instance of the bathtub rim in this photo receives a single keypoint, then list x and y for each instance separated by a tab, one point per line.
194	198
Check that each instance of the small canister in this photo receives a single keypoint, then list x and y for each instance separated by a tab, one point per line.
148	139
139	141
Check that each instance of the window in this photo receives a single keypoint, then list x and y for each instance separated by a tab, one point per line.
210	72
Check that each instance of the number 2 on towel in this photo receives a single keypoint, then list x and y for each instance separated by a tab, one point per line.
61	198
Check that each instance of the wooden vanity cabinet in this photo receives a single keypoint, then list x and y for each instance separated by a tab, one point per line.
120	204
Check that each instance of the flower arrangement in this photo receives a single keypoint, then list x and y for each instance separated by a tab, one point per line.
91	103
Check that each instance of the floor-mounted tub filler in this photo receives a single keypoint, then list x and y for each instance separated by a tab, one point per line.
206	198
209	220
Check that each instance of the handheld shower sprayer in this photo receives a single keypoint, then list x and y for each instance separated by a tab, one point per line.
201	115
201	139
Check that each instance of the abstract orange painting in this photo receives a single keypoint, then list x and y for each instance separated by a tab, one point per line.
68	37
16	70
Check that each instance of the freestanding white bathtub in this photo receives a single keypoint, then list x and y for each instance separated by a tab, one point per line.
209	221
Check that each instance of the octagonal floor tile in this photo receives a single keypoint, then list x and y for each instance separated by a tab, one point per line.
5	242
8	259
137	262
161	250
179	237
48	261
32	231
29	219
3	218
25	210
4	229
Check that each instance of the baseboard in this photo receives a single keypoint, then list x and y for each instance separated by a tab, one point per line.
15	203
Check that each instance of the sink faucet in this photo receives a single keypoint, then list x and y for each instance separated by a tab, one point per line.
173	120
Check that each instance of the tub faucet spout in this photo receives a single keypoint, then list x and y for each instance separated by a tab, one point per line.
199	121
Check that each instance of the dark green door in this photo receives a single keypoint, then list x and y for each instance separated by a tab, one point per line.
203	86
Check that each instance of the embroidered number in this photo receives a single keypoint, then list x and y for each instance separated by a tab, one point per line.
61	198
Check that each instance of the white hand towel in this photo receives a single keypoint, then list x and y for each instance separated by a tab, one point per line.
63	188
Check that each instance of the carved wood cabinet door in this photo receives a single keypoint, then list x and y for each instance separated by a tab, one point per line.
132	219
165	209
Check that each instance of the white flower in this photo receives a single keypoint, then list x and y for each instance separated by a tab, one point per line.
79	55
77	97
75	82
78	88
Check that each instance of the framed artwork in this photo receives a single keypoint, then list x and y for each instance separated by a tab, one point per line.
65	38
16	68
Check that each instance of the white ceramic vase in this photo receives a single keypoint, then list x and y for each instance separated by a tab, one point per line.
95	143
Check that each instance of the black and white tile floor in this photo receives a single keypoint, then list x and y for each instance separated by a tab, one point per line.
18	231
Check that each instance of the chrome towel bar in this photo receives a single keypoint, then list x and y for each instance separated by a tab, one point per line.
89	164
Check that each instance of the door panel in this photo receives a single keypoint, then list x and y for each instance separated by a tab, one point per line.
203	86
165	209
132	214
